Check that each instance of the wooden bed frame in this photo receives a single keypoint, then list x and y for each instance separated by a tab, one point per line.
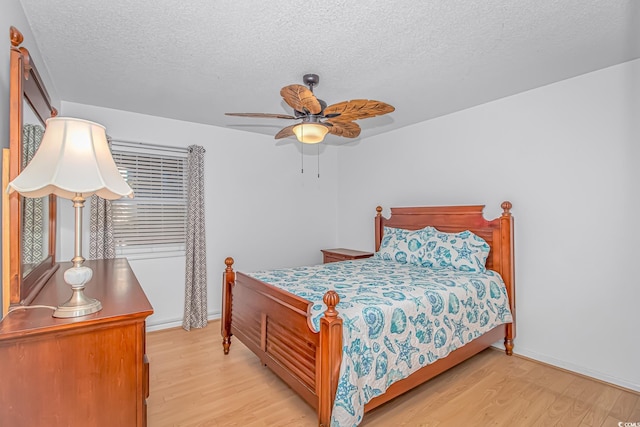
276	324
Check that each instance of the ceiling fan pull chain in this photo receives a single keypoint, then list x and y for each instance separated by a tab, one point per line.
318	146
302	159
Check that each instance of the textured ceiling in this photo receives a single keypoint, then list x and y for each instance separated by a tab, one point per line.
195	60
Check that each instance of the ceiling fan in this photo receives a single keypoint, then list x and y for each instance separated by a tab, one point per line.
316	118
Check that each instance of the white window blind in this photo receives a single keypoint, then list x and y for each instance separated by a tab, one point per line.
153	223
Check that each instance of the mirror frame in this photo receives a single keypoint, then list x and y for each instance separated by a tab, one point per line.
25	85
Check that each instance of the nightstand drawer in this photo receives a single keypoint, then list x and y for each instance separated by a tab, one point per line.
333	258
342	254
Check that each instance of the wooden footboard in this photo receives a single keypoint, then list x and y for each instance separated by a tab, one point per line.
276	326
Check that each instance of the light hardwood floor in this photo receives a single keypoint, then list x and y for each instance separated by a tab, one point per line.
193	384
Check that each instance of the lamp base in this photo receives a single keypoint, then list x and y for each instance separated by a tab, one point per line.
79	304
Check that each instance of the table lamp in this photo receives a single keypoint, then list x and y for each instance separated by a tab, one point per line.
73	162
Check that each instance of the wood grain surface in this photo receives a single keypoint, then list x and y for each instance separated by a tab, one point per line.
194	384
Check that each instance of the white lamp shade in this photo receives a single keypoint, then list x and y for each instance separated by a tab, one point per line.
73	159
310	133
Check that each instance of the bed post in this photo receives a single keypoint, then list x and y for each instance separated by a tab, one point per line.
228	279
507	267
330	358
379	227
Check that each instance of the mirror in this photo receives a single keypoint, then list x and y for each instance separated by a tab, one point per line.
35	212
32	222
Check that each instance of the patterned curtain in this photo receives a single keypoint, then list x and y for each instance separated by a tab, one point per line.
32	209
195	298
101	242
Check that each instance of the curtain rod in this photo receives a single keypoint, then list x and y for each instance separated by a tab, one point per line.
148	144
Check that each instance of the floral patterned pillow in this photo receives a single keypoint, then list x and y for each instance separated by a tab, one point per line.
404	246
463	251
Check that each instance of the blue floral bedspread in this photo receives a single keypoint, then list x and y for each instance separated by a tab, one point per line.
396	319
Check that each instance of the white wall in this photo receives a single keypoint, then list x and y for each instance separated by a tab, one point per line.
13	15
260	209
566	156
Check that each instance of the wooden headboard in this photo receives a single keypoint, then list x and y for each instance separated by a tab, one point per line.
498	233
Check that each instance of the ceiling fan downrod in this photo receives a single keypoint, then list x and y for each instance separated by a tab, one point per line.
311	80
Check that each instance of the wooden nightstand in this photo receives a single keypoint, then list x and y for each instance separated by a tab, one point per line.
341	254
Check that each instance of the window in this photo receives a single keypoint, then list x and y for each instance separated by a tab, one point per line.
153	223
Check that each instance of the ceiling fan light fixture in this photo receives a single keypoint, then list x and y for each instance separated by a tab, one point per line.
310	133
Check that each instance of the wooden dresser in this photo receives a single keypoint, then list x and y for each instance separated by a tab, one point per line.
85	371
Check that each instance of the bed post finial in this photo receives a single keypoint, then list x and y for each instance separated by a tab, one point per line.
331	299
379	210
506	207
16	36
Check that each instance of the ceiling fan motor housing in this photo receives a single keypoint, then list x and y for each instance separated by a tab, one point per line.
301	114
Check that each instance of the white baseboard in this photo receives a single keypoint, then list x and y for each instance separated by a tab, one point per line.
175	323
576	368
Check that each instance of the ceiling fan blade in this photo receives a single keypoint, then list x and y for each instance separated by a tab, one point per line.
285	132
301	99
346	129
357	109
264	115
